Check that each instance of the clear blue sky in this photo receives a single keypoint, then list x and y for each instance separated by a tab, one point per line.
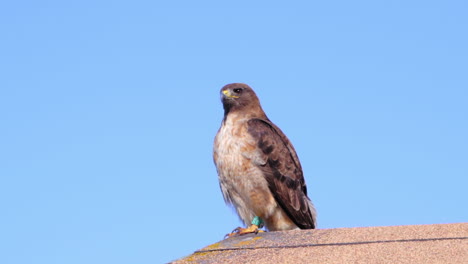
108	111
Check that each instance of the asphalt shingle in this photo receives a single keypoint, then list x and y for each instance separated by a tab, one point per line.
438	243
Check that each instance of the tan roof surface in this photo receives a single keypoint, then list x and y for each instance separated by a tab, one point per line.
440	243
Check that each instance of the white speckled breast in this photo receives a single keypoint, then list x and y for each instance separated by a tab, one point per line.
242	183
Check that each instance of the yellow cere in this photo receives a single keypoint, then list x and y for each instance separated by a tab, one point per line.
228	94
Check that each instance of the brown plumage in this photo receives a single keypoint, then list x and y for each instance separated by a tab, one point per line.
259	171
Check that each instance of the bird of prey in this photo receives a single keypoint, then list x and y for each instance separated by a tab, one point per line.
258	168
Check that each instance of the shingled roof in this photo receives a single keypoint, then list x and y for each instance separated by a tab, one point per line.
439	243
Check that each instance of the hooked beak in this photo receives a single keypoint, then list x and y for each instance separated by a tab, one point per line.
227	93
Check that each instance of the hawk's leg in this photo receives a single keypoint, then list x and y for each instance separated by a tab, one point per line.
257	223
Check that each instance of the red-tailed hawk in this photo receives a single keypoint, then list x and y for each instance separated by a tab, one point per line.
259	171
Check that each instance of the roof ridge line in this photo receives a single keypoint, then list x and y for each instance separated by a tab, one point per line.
335	244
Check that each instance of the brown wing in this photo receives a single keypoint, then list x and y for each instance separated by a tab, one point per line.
283	171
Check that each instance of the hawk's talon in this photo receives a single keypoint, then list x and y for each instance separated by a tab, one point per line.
253	229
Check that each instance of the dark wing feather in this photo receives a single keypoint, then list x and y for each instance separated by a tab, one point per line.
283	171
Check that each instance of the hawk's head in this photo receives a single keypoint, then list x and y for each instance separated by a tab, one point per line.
239	96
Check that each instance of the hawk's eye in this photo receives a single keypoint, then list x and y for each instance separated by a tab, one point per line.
237	90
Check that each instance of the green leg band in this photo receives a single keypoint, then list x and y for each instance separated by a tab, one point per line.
257	221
